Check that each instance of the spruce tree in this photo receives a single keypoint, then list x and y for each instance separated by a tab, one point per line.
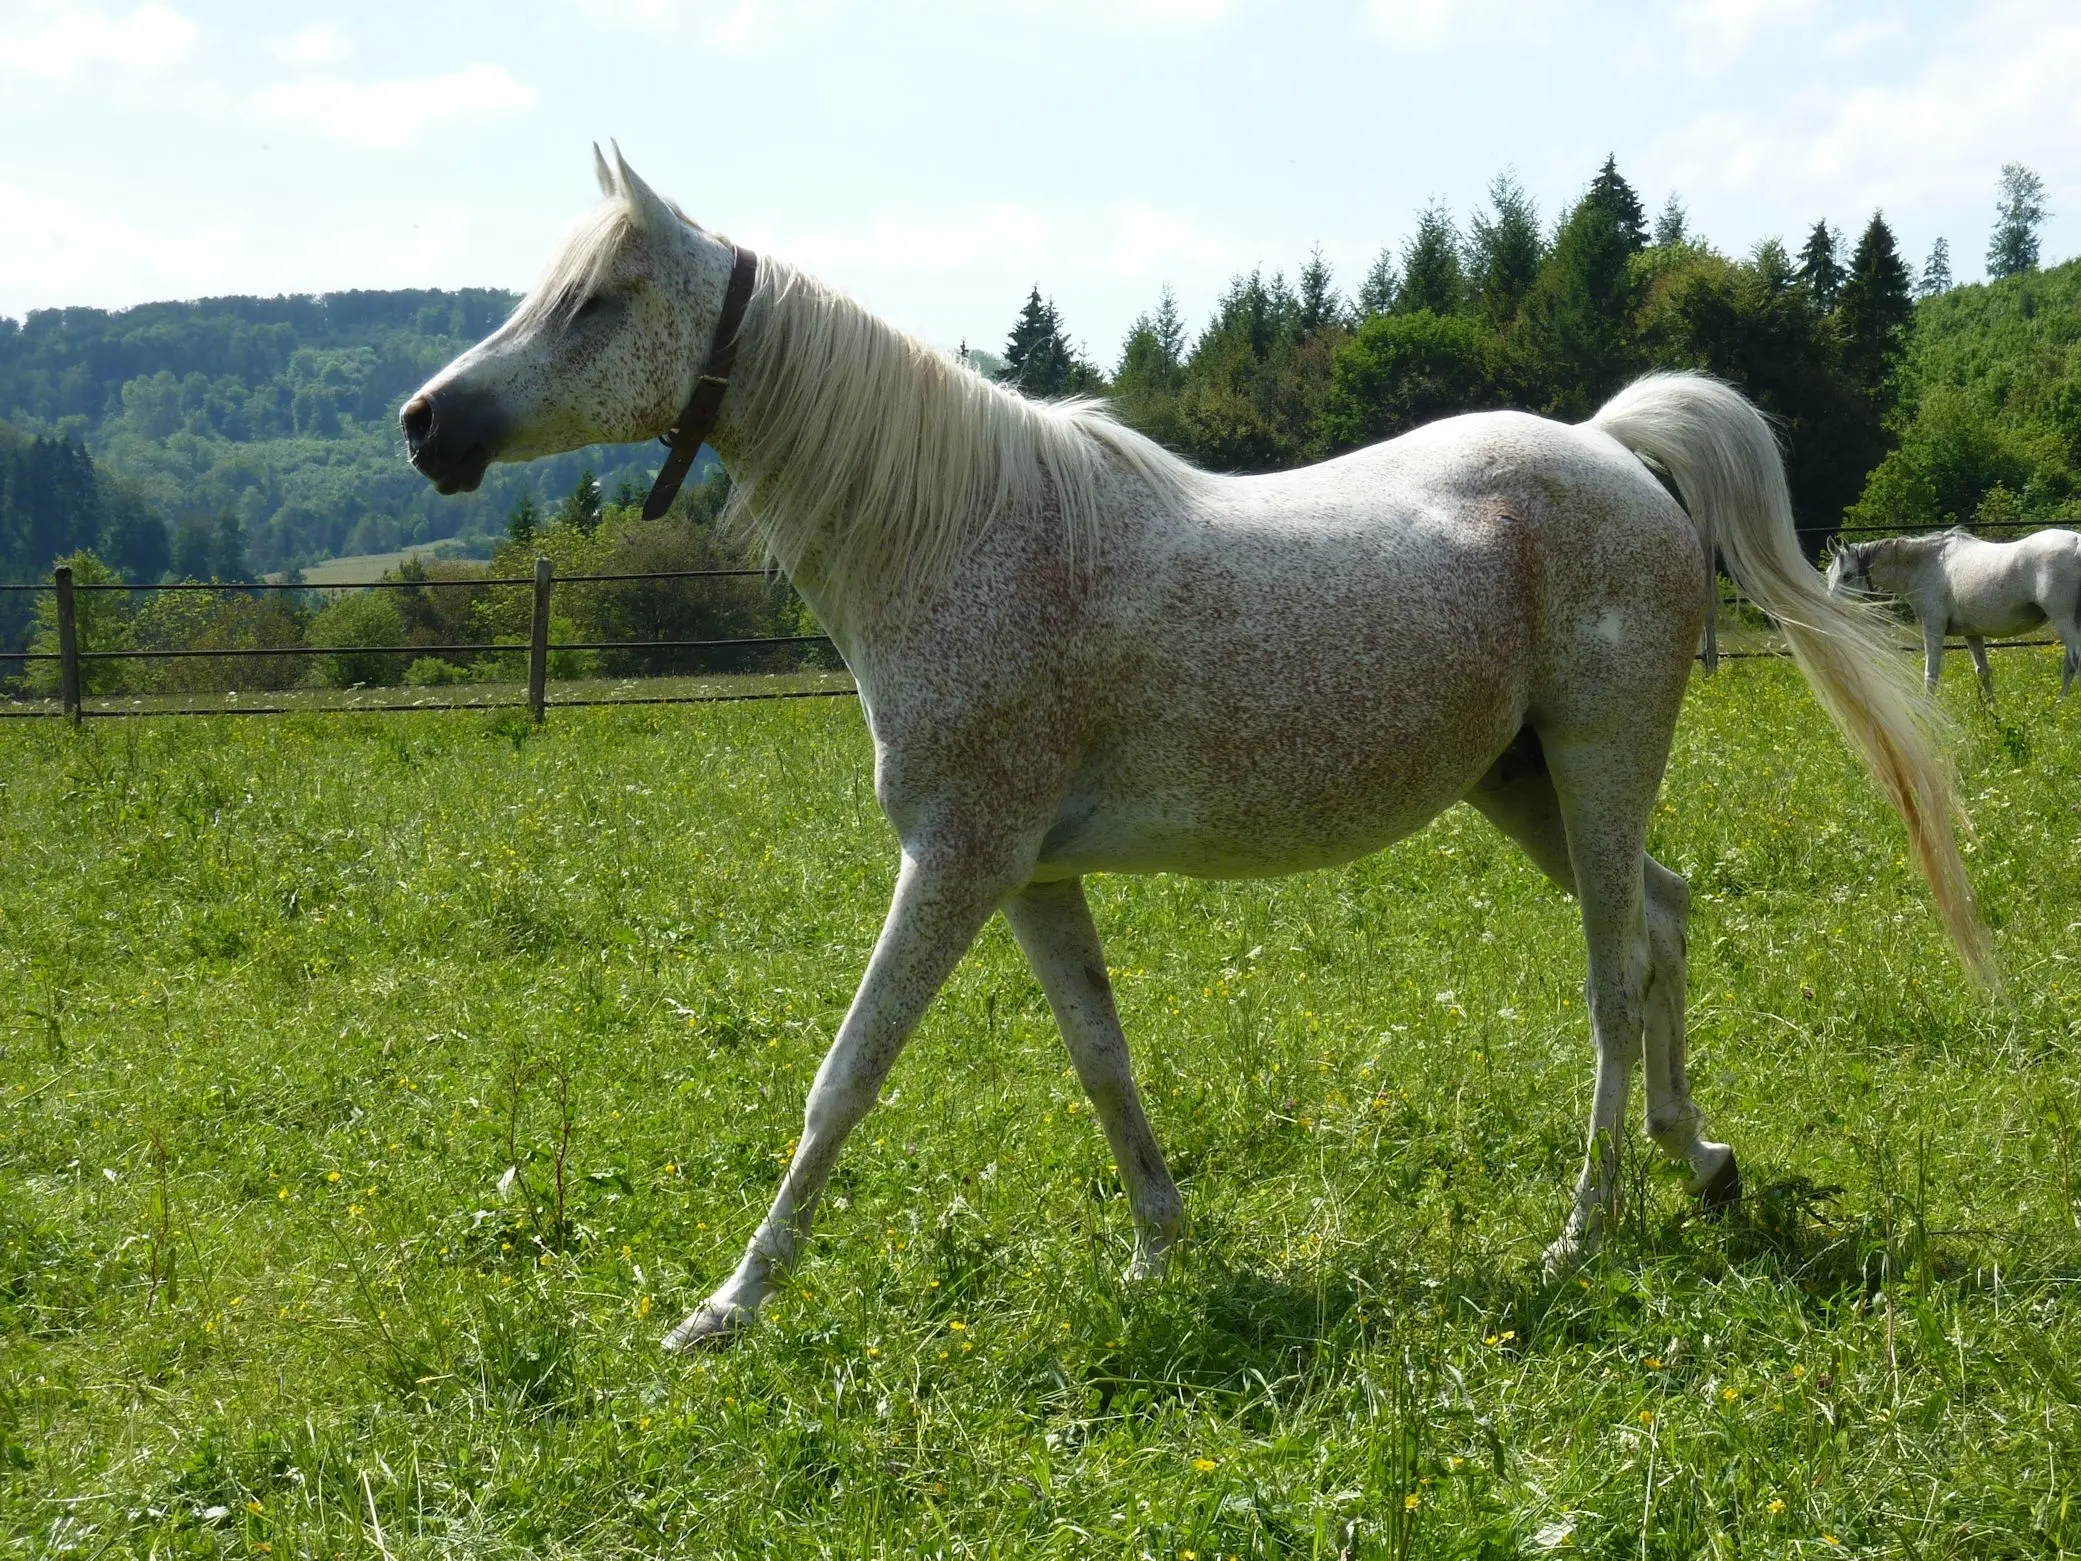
1504	250
1820	264
1431	275
581	511
1576	330
1376	295
1153	357
1319	304
1672	227
521	524
2013	246
1874	309
1037	359
1616	196
1936	273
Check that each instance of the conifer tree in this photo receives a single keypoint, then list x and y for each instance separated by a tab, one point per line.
521	524
1504	250
581	511
2013	246
1154	354
1577	322
1037	358
1319	304
1615	195
1875	308
1672	227
1820	264
1431	275
1376	294
1936	273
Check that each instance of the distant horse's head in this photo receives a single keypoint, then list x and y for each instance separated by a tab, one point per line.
604	350
1849	572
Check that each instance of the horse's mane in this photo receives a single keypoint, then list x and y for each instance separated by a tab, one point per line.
893	458
578	265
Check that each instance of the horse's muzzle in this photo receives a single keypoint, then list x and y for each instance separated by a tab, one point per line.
451	436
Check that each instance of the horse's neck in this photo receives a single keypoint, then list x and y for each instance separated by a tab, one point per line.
1908	563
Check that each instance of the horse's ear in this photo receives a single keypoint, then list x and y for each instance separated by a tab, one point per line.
652	213
602	172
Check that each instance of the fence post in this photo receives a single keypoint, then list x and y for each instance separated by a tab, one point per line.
538	645
68	643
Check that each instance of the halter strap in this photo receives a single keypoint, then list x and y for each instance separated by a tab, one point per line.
697	418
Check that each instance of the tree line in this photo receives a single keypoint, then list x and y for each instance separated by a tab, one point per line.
1506	311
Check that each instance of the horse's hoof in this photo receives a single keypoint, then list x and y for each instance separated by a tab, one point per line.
1723	1192
708	1327
1147	1266
1563	1257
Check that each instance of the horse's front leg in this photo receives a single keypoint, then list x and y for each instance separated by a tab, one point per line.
1932	649
1053	925
939	905
1976	647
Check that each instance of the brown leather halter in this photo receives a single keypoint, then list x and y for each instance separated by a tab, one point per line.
696	419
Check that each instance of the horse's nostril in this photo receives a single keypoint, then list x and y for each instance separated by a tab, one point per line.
417	420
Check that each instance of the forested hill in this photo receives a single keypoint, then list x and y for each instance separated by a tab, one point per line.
274	418
1989	424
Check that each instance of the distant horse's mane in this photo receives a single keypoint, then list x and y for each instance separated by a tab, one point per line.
875	458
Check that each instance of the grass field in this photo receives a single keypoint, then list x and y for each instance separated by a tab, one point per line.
376	1091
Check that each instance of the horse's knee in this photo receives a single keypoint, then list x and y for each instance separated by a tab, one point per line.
835	1107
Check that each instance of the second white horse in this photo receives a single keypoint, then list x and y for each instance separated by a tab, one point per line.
1960	584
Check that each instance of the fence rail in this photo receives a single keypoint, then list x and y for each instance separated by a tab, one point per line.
71	658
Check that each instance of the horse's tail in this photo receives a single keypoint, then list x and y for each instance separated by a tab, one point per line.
1721	455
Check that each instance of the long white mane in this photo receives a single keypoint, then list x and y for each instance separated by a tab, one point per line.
891	460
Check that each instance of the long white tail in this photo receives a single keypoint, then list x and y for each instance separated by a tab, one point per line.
1721	454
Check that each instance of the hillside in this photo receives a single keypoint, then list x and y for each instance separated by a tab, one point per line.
278	413
1989	421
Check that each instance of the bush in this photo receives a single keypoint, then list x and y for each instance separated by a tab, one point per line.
433	672
360	619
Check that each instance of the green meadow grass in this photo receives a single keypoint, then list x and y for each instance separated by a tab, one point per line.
376	1090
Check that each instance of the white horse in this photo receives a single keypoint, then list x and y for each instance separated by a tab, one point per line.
1077	653
1959	584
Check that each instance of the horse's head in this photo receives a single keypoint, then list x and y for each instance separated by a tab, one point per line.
1849	571
603	351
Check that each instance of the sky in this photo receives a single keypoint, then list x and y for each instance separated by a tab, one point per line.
937	159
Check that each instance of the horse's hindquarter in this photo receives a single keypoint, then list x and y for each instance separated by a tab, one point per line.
1322	661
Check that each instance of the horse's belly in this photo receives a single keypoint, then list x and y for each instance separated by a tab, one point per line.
1285	802
1993	613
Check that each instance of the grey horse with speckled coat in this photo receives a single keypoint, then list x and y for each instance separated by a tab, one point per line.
1078	654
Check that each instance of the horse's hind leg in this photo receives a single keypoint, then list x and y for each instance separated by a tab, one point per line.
1053	925
1518	796
933	917
2068	628
1674	1122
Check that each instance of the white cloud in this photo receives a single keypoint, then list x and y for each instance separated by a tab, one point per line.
746	27
1977	102
390	115
731	27
1721	29
1427	26
321	43
59	41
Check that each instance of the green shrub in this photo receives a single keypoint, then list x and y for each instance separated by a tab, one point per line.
358	621
433	672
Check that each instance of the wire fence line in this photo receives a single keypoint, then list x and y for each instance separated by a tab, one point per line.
73	658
